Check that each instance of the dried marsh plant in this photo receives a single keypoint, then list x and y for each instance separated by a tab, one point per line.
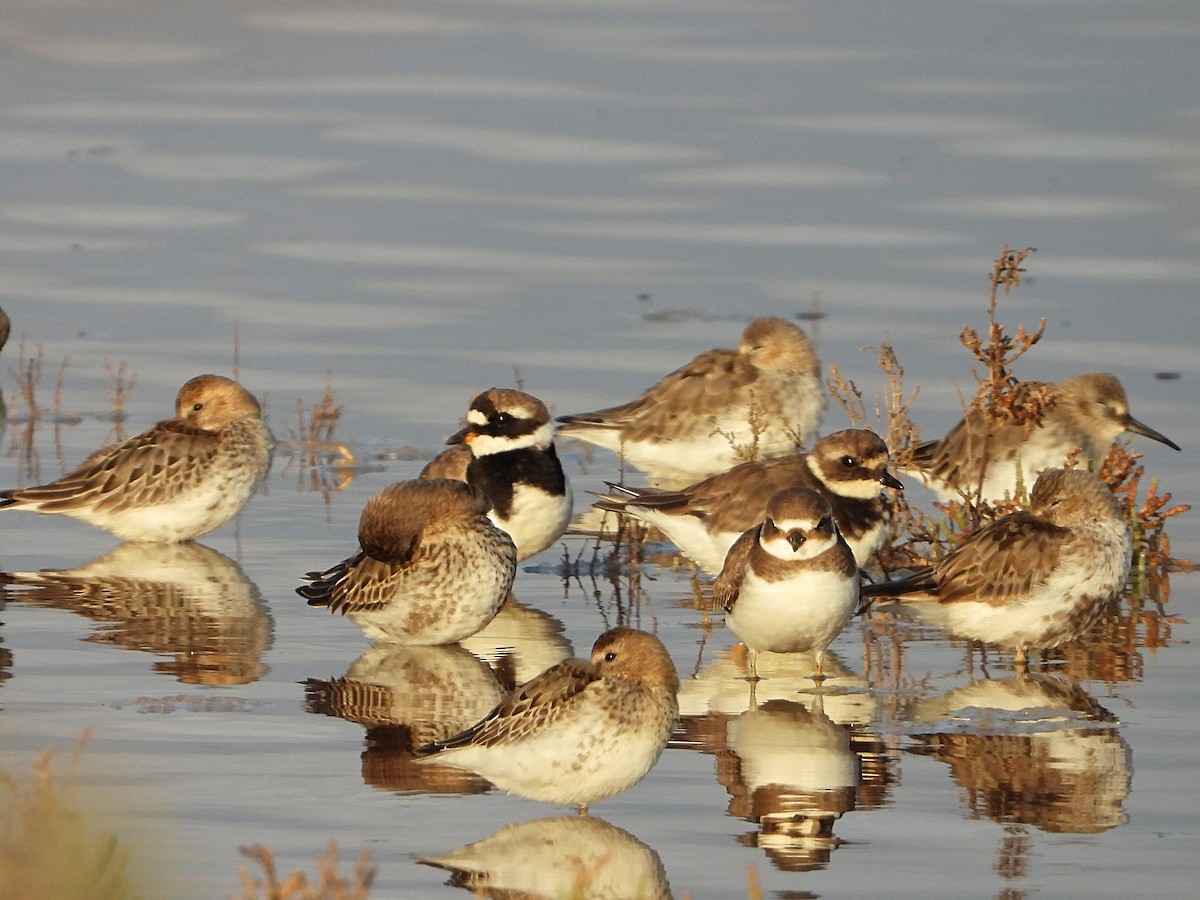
999	400
123	379
1148	516
329	885
49	844
313	443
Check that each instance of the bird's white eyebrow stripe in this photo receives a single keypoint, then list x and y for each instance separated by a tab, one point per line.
795	524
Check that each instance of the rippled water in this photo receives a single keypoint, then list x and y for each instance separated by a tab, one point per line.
427	199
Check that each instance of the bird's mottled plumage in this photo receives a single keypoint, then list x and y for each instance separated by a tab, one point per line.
507	450
790	584
759	401
182	478
1084	413
703	520
1033	579
433	569
582	730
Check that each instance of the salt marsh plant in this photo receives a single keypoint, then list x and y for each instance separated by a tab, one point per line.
51	844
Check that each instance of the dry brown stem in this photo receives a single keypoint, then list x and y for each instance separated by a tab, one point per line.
330	885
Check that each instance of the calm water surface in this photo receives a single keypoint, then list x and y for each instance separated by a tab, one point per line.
426	199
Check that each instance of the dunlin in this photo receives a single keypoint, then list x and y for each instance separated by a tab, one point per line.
847	467
1033	579
789	584
1085	413
183	478
511	457
759	401
579	732
432	568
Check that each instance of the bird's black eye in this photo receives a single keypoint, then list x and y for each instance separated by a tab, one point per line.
503	418
849	462
197	407
610	656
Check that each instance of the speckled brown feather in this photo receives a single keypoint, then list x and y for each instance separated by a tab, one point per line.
621	656
396	530
1004	562
216	438
727	502
702	388
146	469
530	707
729	583
1087	411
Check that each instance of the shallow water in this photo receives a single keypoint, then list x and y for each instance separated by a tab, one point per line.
428	199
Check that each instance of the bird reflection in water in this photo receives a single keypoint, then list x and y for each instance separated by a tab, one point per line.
519	643
720	686
406	696
184	600
5	329
568	856
788	769
5	653
1034	749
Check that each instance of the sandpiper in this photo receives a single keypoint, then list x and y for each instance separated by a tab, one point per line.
579	732
1031	580
510	455
183	478
761	400
789	584
1084	414
432	568
847	467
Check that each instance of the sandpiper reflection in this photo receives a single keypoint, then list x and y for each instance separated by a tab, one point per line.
519	643
406	696
568	856
181	600
1034	749
5	654
721	686
5	329
788	769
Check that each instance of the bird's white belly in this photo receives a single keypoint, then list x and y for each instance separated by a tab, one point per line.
537	519
793	615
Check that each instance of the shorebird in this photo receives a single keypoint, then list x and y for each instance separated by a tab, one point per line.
579	732
507	450
703	520
1085	413
790	584
182	478
1031	580
761	400
432	568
